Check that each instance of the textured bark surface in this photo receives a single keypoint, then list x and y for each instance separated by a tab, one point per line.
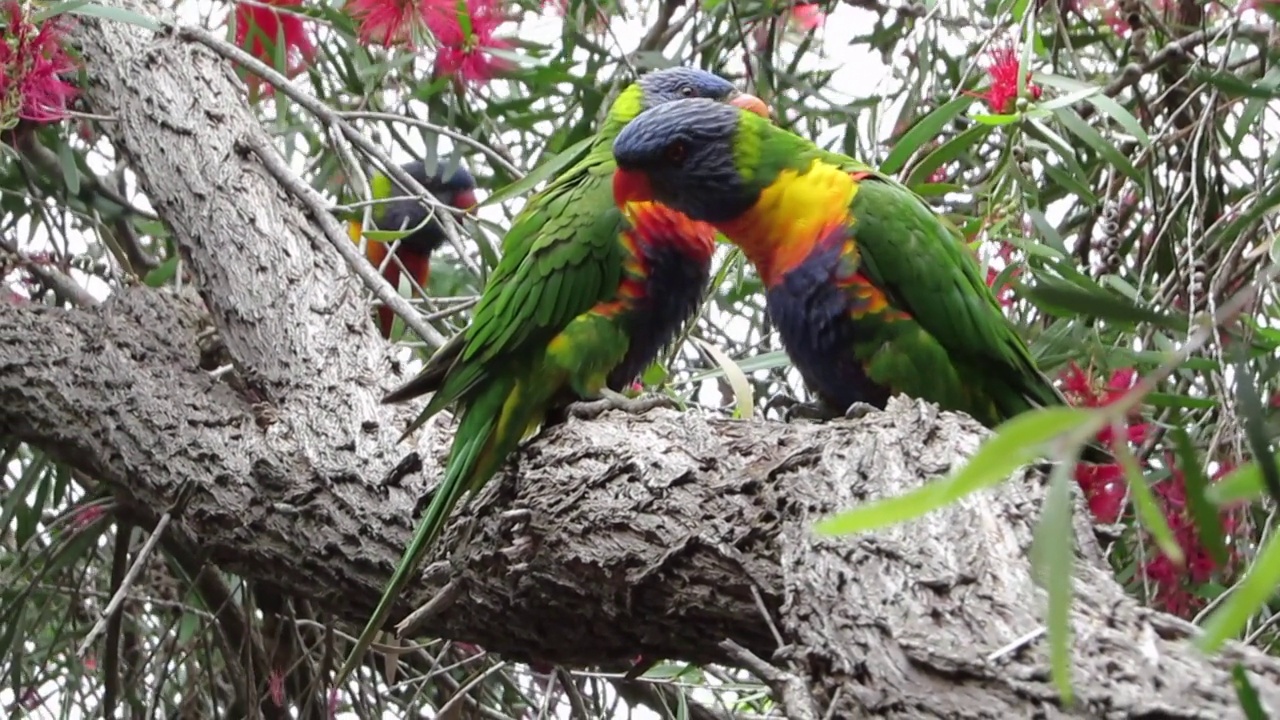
663	534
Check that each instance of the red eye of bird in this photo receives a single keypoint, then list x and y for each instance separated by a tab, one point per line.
676	152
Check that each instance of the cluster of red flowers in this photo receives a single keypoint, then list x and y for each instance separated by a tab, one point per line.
1004	293
1104	488
1004	67
264	27
463	30
32	63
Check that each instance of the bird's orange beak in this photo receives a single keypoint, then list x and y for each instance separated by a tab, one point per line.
753	104
631	186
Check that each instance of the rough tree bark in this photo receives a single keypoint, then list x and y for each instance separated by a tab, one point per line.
664	534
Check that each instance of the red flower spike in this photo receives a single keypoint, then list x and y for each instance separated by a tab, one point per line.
1005	293
263	27
388	22
1003	67
808	16
464	56
32	61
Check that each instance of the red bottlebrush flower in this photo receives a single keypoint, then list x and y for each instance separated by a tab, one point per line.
1173	583
86	516
388	22
1104	488
32	61
467	57
90	663
1005	292
333	703
275	686
1003	67
939	175
263	27
808	16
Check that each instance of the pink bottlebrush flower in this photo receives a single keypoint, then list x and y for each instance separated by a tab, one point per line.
263	27
1104	488
1003	67
940	175
464	56
808	16
275	686
389	22
1005	292
32	61
333	703
86	516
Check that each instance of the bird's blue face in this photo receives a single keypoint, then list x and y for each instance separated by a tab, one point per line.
681	154
682	83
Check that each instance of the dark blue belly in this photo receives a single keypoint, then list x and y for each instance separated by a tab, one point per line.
812	316
673	293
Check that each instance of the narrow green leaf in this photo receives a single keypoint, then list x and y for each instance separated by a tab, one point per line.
945	153
1243	484
70	173
1114	110
1072	121
743	395
1231	84
995	120
1093	301
118	15
1015	443
162	273
922	132
1054	559
543	172
1148	510
1249	702
763	361
1250	595
1255	428
1205	514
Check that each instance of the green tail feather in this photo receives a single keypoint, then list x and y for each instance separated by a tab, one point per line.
476	454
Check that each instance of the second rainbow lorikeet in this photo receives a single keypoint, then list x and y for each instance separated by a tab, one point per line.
405	213
872	291
581	301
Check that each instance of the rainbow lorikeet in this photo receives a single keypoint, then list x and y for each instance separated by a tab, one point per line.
872	292
582	300
413	250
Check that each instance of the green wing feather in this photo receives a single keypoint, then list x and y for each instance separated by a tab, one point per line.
924	269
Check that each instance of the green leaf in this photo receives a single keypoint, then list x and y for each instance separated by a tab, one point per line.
162	273
922	132
1251	594
1016	442
1204	513
743	395
1255	428
1052	294
947	152
1240	485
70	173
1053	558
1144	502
118	15
1070	120
996	120
755	363
1249	701
543	172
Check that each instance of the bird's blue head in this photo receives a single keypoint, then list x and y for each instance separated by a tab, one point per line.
679	83
682	154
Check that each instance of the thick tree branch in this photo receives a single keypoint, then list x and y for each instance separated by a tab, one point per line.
644	535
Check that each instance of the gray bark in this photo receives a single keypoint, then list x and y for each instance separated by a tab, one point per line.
664	534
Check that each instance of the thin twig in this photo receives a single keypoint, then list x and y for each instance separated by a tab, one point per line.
123	590
788	689
443	599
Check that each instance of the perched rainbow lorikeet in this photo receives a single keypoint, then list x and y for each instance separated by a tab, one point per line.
414	250
582	300
872	292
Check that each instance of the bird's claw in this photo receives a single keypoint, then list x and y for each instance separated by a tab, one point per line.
817	411
610	400
859	410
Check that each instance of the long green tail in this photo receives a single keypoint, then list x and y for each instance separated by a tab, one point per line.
478	450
